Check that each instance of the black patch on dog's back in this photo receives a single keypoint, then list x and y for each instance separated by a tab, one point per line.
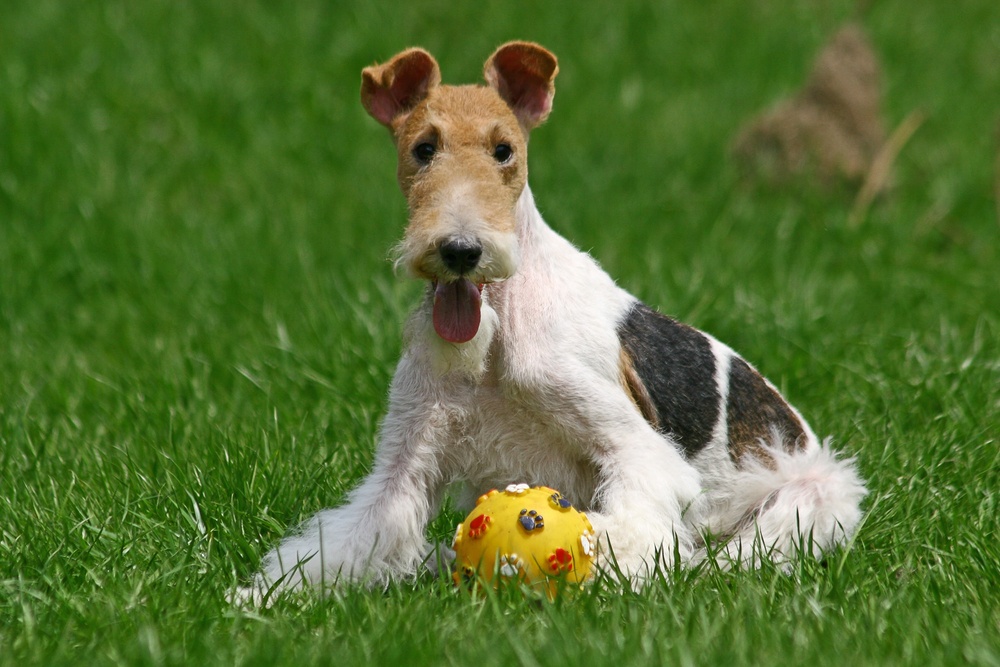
677	368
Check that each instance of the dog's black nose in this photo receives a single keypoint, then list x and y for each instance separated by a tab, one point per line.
460	256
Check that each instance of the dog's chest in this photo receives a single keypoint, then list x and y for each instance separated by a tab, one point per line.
500	440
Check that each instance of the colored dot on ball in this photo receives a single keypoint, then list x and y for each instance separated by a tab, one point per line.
559	502
479	525
486	496
531	520
561	560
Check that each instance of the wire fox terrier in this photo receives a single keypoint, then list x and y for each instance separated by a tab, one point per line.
525	362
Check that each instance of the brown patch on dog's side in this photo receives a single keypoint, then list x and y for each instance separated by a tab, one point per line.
636	390
831	130
755	411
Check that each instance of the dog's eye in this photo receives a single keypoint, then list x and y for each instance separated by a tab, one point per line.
503	153
423	153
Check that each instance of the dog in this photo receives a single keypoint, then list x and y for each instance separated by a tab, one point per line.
525	362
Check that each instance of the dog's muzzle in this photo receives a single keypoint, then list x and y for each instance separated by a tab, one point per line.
460	256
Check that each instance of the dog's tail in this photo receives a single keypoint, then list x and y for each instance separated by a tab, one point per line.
802	501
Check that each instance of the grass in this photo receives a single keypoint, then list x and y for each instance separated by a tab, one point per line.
198	324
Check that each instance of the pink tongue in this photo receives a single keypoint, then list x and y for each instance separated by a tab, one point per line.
456	310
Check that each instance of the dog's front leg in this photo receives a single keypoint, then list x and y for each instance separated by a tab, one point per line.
378	534
647	493
643	502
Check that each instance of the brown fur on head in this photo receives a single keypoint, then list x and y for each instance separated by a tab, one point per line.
462	150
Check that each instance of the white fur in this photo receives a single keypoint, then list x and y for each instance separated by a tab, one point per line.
807	501
536	397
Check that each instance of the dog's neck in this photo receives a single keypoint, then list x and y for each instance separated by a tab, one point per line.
530	227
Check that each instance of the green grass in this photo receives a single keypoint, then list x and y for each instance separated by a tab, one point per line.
198	324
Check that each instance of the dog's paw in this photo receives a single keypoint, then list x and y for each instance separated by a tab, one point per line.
248	597
627	549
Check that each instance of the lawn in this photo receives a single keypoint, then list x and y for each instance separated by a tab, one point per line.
198	323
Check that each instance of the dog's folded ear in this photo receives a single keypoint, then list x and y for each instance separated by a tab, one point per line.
393	89
523	74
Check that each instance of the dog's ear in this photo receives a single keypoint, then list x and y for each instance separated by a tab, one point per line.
524	74
390	90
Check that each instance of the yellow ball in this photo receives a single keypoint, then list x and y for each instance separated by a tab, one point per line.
530	535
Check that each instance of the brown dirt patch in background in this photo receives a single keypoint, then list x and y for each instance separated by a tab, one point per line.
831	130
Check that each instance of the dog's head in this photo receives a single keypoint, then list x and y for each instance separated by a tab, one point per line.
463	163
